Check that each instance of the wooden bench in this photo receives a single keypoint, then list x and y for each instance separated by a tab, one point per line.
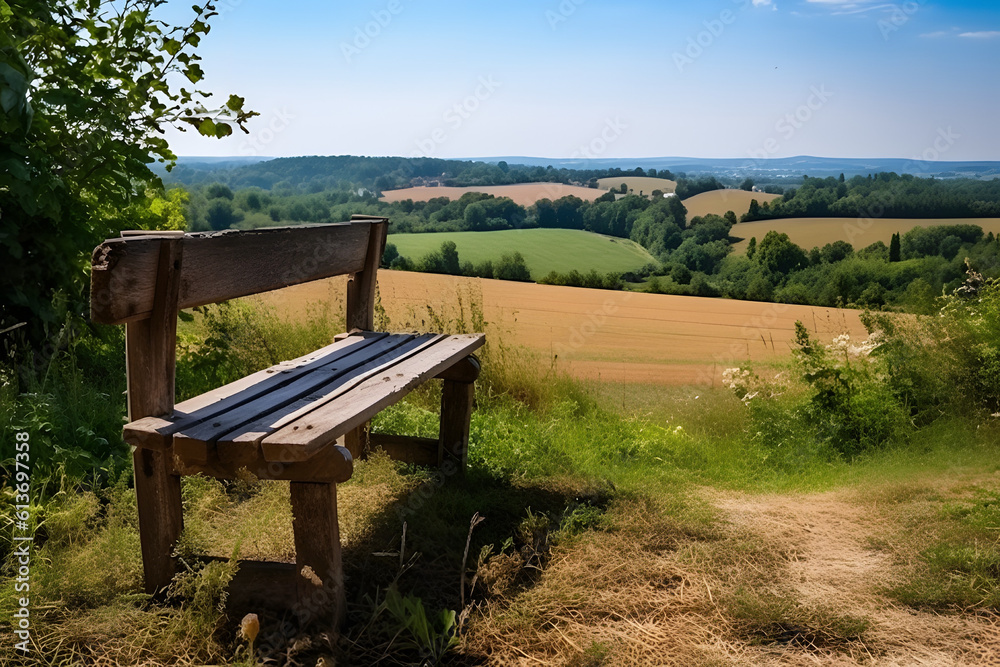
303	420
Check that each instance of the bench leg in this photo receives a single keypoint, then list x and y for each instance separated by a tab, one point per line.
456	416
356	442
318	568
158	495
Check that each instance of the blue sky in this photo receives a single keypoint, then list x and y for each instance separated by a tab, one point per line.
559	78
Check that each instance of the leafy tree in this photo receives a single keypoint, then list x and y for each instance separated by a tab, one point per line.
449	258
85	91
836	251
751	247
389	254
894	254
730	217
747	185
220	214
512	267
217	190
778	255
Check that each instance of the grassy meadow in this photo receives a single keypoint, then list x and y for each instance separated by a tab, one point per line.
778	518
544	250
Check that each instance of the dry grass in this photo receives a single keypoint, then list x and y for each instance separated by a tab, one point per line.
859	232
781	580
717	202
613	337
637	184
524	194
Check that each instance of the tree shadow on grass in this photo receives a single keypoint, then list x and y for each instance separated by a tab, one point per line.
518	521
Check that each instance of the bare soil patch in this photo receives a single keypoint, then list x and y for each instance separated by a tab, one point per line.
830	566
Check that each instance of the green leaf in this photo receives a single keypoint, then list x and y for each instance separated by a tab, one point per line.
172	46
235	102
194	73
223	130
207	127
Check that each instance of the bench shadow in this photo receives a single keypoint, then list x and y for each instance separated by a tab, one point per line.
437	515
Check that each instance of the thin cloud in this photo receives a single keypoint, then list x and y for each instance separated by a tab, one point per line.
982	34
848	7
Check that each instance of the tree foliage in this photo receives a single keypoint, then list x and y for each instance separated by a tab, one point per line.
86	88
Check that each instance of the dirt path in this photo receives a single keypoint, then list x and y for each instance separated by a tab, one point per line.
830	566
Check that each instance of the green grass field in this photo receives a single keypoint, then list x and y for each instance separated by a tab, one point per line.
544	250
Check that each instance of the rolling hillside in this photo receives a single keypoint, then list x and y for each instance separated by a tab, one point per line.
544	250
637	184
619	337
719	201
524	194
809	232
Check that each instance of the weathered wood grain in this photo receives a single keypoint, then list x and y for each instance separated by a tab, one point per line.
319	570
332	464
194	442
232	445
224	265
150	363
456	416
155	432
298	440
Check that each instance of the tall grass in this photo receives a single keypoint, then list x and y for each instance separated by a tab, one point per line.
603	492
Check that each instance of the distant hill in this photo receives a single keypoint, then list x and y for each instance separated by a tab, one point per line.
524	194
719	201
774	167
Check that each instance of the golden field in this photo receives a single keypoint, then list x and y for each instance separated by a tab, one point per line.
637	184
717	202
859	232
619	337
524	194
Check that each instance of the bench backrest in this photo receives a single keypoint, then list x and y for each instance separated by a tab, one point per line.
143	280
215	266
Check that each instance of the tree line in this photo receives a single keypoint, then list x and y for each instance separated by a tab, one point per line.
884	195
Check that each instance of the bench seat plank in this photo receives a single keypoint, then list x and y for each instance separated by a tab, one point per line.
243	443
194	442
299	440
154	432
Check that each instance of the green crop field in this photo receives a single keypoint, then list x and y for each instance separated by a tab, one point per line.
544	250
